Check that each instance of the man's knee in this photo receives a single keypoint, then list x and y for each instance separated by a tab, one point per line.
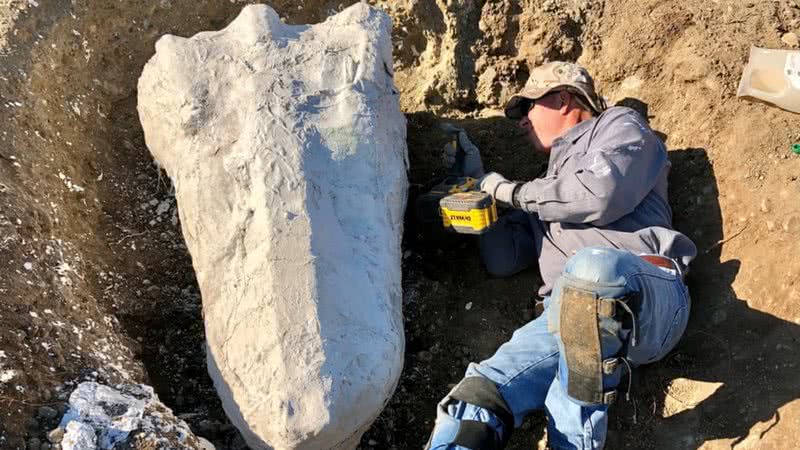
589	304
599	265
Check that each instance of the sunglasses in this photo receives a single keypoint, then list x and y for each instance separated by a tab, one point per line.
526	105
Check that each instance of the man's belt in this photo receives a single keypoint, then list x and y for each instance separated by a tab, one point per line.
661	261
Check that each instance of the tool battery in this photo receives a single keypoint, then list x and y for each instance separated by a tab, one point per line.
472	212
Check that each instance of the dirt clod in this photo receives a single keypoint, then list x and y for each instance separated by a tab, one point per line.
56	435
791	39
47	413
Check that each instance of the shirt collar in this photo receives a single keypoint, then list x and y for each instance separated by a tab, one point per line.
570	137
573	134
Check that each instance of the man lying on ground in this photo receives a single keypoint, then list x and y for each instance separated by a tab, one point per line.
600	226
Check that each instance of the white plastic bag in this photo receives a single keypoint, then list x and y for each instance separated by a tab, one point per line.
772	76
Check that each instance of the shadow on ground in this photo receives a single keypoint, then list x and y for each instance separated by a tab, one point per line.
752	355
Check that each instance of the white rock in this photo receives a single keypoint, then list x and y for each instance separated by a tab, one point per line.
79	436
791	39
287	149
7	375
105	418
205	444
163	207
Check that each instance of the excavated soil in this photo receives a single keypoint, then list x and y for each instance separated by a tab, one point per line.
97	284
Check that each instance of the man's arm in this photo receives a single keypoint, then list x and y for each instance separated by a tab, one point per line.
509	246
620	168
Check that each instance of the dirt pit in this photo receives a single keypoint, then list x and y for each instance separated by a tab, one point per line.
97	283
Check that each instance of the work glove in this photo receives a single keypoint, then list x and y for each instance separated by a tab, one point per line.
473	166
498	187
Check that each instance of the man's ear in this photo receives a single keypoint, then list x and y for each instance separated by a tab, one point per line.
565	100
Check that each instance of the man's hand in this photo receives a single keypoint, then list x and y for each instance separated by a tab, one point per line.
473	166
498	187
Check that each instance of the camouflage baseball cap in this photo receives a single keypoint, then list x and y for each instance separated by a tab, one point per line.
556	76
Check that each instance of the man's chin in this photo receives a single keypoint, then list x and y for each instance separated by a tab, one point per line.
538	146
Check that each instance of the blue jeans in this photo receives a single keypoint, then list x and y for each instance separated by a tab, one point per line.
525	369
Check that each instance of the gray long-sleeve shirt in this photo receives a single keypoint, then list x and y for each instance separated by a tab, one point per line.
606	185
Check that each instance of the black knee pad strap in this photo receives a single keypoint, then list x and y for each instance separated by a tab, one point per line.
477	436
481	392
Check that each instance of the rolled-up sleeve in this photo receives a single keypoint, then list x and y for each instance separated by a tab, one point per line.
620	167
509	247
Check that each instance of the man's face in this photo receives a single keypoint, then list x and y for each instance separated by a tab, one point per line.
544	122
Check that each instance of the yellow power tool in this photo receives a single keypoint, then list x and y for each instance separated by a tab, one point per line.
458	206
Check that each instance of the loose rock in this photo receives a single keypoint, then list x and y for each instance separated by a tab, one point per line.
79	436
128	416
47	413
766	205
792	225
686	394
791	39
719	316
207	427
205	444
56	435
32	424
